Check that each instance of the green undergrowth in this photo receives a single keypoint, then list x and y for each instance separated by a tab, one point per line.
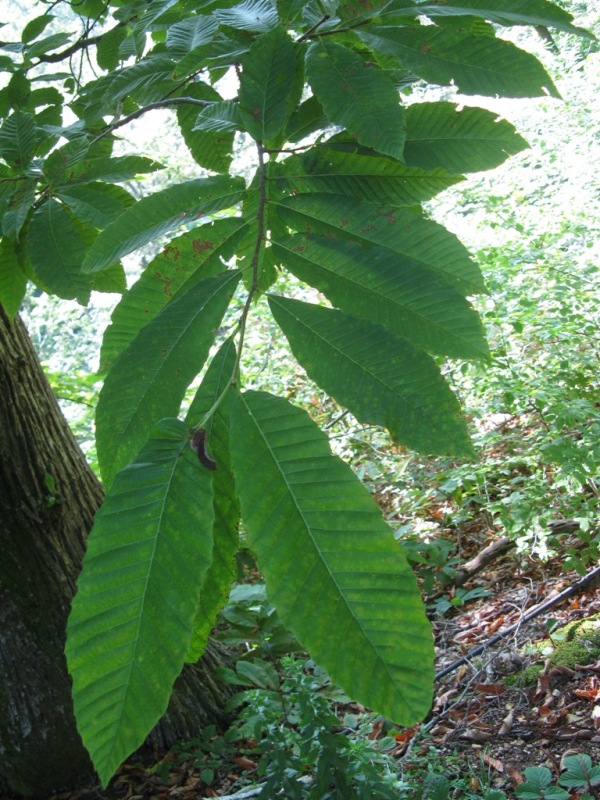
297	736
571	645
295	732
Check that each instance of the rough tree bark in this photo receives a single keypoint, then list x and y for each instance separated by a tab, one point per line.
42	542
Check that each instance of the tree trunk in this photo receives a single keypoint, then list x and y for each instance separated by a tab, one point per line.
48	498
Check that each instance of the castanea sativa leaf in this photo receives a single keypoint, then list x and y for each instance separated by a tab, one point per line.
333	570
18	139
405	232
357	94
223	568
323	95
373	283
457	139
159	213
508	12
211	149
58	268
132	618
184	261
380	378
148	380
266	82
475	64
375	179
13	281
96	203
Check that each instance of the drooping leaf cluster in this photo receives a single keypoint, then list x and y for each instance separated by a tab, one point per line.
344	158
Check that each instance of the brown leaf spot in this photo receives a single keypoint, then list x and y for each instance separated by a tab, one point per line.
200	247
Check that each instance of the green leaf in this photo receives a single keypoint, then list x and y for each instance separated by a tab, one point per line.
195	255
56	249
332	567
307	118
112	280
579	771
47	96
18	139
91	8
290	11
222	571
35	27
459	140
146	81
43	46
13	281
222	117
321	13
404	231
353	11
266	83
96	202
190	34
148	380
211	149
373	178
475	64
65	156
132	616
257	16
506	12
107	49
357	95
102	168
18	207
159	213
373	284
133	46
381	379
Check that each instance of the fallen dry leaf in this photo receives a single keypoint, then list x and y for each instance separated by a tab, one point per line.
507	724
494	763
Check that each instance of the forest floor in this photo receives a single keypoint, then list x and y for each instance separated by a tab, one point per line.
529	700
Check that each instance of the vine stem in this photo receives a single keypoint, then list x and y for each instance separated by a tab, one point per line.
254	265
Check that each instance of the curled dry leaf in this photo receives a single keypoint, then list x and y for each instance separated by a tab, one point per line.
477	735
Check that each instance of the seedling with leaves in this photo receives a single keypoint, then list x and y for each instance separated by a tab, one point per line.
581	774
538	786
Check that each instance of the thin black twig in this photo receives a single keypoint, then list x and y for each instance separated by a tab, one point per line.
311	30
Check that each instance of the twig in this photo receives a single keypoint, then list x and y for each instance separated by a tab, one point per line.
497	548
150	107
311	30
575	588
260	236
